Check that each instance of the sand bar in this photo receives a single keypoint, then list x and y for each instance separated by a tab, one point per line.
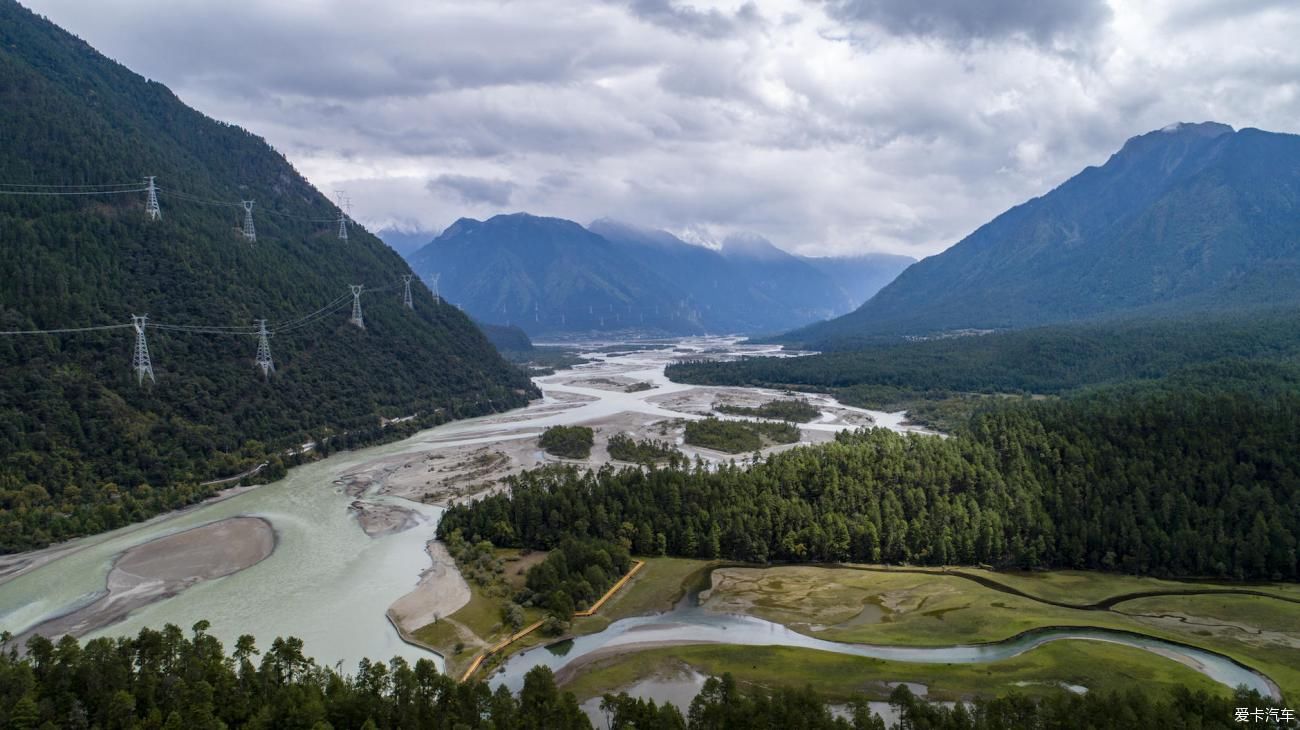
164	567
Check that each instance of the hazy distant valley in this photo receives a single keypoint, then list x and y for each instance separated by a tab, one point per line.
554	277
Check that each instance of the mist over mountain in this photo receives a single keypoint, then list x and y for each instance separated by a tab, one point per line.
860	276
549	275
405	242
1189	217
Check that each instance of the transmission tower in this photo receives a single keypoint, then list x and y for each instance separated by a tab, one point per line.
406	295
140	361
343	217
434	278
264	349
356	305
151	208
249	232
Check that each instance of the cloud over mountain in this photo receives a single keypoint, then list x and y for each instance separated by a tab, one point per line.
827	127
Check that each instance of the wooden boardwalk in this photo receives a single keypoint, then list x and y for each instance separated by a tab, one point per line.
478	660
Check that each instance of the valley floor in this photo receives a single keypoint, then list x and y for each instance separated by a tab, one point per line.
1256	626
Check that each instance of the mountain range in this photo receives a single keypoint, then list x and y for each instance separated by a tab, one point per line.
83	445
554	276
1192	217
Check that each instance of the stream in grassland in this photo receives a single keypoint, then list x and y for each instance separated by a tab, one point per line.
691	623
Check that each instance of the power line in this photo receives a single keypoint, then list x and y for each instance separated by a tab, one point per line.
60	193
133	183
197	199
65	330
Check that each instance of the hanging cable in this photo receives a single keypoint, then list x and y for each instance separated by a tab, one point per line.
70	192
196	199
65	330
134	183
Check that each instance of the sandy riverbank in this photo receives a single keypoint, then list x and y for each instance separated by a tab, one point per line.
596	658
701	401
440	593
164	567
12	566
450	474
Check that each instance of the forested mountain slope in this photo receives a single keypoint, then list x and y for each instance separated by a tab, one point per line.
82	446
1193	216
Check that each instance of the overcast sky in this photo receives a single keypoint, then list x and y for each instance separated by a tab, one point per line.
828	127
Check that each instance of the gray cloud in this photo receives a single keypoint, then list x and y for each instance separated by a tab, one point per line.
965	20
683	18
473	190
823	126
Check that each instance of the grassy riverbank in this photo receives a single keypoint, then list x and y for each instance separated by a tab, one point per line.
1099	666
656	588
931	607
482	622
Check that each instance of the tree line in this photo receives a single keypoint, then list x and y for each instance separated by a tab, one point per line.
166	680
1043	360
1169	482
575	574
736	437
795	411
573	442
642	451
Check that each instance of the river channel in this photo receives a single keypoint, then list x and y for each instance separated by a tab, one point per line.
330	584
689	623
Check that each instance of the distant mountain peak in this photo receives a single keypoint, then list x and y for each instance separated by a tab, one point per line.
1194	216
613	228
751	245
1201	129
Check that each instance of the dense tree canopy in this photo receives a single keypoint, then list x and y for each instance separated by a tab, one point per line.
641	451
1152	481
575	574
736	437
1044	360
573	442
164	680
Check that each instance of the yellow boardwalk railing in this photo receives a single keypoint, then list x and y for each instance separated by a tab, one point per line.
478	660
609	593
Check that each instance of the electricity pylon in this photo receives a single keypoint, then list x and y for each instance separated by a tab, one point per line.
356	305
343	217
249	232
151	202
264	349
140	361
406	294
